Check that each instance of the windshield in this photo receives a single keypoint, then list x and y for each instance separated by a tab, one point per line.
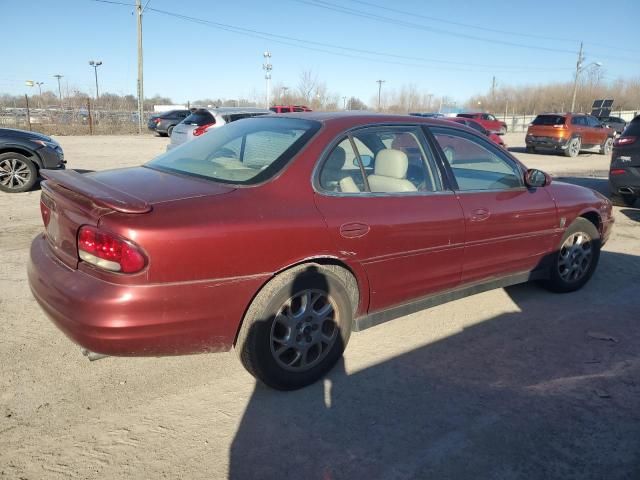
199	118
548	120
245	152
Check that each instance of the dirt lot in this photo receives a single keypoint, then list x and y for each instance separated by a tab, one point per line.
515	383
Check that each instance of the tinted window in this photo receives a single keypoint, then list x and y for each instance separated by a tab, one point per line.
581	121
298	109
200	117
477	126
475	164
633	128
548	120
465	115
247	152
490	117
592	121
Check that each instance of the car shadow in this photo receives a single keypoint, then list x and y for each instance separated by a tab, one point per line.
631	213
517	149
542	391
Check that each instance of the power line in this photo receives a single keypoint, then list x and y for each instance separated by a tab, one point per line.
486	29
417	26
286	40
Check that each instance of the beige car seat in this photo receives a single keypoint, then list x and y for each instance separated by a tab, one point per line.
390	172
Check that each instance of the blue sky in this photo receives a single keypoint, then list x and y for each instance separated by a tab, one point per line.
519	42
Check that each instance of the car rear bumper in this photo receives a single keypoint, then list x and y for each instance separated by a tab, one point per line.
546	142
627	183
139	320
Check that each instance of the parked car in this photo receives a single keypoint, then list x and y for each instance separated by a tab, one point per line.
22	155
427	114
488	121
204	119
477	126
289	108
281	234
164	123
615	123
624	173
568	133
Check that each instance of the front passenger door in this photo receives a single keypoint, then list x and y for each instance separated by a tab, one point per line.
509	227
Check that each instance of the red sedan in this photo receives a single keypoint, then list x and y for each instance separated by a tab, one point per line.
477	126
279	235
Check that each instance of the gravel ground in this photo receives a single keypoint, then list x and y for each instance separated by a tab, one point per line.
512	383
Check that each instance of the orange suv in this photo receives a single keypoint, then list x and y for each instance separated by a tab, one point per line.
569	133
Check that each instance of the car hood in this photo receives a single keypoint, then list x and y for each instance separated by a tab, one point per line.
155	186
14	133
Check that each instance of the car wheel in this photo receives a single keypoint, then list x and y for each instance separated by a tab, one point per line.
17	173
606	147
530	149
169	130
296	328
573	149
576	259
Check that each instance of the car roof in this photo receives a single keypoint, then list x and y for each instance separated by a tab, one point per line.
237	110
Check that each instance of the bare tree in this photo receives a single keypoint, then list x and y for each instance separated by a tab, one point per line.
307	84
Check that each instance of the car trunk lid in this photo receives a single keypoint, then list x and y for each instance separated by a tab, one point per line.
70	199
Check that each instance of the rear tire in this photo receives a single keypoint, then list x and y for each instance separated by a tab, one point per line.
296	328
576	258
17	173
573	148
606	147
169	130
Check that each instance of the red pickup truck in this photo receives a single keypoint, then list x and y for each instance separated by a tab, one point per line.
488	121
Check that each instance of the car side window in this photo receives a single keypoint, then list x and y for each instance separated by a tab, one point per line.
580	121
475	164
393	160
593	121
341	171
491	117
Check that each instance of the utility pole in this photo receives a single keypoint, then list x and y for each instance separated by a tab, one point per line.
267	67
379	82
493	93
39	84
344	103
140	77
575	81
59	89
429	97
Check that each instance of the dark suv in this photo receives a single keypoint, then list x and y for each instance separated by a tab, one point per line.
163	124
22	155
615	123
624	173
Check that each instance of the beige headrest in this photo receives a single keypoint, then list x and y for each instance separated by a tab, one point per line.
391	163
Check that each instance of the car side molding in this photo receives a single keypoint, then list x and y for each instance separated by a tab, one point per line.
382	316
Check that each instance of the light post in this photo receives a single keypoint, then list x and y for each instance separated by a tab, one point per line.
283	93
579	69
344	103
58	76
267	67
95	65
39	84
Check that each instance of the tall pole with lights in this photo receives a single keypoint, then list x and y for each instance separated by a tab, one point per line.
59	89
579	69
267	67
95	64
379	82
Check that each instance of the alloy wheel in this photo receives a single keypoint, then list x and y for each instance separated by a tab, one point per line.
14	173
574	147
575	257
304	330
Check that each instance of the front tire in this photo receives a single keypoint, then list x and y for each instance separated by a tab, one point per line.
17	173
296	328
576	259
573	148
169	130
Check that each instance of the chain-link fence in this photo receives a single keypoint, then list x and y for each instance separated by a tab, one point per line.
72	121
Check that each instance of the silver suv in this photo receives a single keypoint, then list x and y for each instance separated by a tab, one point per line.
204	119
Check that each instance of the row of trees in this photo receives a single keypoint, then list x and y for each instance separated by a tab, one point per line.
314	93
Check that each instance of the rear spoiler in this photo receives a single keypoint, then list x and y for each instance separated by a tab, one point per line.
99	193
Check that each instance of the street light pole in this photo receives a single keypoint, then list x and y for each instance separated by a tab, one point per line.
95	65
267	67
59	89
344	103
139	11
380	82
579	69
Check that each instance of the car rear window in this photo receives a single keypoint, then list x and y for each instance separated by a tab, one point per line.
633	128
465	115
199	118
549	120
242	153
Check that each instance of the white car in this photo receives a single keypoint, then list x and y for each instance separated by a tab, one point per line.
204	119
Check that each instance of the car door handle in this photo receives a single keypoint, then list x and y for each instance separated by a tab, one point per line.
354	230
480	214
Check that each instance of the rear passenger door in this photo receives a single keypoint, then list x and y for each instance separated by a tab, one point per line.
385	202
509	227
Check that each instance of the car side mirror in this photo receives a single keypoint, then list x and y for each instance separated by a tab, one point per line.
367	161
536	178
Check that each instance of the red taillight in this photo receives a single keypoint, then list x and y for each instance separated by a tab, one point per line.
202	129
157	120
45	211
622	141
109	251
617	171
